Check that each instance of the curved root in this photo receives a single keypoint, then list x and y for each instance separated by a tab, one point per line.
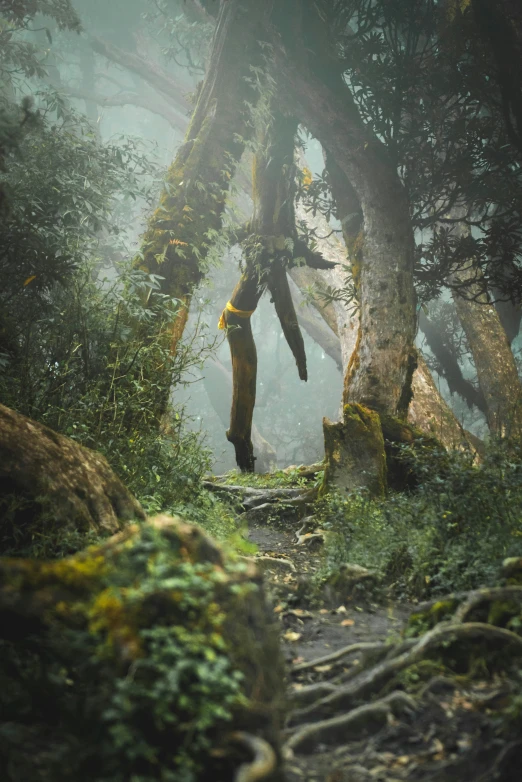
374	679
264	762
338	655
370	717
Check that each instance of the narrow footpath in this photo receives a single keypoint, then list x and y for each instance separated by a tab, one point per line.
371	699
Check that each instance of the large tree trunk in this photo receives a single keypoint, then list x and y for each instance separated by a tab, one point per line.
217	380
74	483
428	411
180	230
379	375
496	369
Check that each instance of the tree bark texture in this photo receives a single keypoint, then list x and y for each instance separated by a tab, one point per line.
77	483
380	372
496	369
180	231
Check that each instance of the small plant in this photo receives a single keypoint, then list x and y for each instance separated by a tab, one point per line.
451	533
134	676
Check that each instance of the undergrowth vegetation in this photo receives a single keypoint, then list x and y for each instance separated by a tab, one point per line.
84	334
450	533
138	666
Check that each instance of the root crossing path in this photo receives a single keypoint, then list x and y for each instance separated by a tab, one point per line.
383	691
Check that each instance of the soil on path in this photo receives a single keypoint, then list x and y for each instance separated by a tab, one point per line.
451	732
422	725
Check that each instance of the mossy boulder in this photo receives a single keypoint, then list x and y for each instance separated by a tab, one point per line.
137	659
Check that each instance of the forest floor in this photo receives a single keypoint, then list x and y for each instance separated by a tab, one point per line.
419	724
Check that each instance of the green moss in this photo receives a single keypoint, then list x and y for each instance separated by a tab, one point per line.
354	449
159	641
423	621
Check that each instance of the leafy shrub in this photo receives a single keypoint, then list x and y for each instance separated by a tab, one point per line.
136	670
451	533
86	355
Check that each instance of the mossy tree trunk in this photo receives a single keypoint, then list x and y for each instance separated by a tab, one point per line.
189	214
272	245
380	373
428	411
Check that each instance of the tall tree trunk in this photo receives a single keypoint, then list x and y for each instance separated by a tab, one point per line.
381	369
496	369
272	245
180	230
428	411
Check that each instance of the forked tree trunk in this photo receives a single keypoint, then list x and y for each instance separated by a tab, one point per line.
270	248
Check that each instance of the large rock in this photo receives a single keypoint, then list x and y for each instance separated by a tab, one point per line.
137	659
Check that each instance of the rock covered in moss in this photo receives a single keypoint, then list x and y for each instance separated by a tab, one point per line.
137	659
40	466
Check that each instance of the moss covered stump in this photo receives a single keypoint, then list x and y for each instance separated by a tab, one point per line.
153	656
354	451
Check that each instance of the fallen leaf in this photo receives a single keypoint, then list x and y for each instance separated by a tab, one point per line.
279	608
322	668
347	623
341	610
29	279
291	636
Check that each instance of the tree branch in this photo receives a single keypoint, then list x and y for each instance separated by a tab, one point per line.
175	120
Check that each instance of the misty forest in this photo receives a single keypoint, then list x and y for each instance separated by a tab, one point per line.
260	396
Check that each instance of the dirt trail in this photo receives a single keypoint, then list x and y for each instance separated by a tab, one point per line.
383	706
321	630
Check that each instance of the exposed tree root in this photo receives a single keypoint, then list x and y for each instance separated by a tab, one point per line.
469	600
360	720
337	655
480	596
372	680
264	762
451	729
